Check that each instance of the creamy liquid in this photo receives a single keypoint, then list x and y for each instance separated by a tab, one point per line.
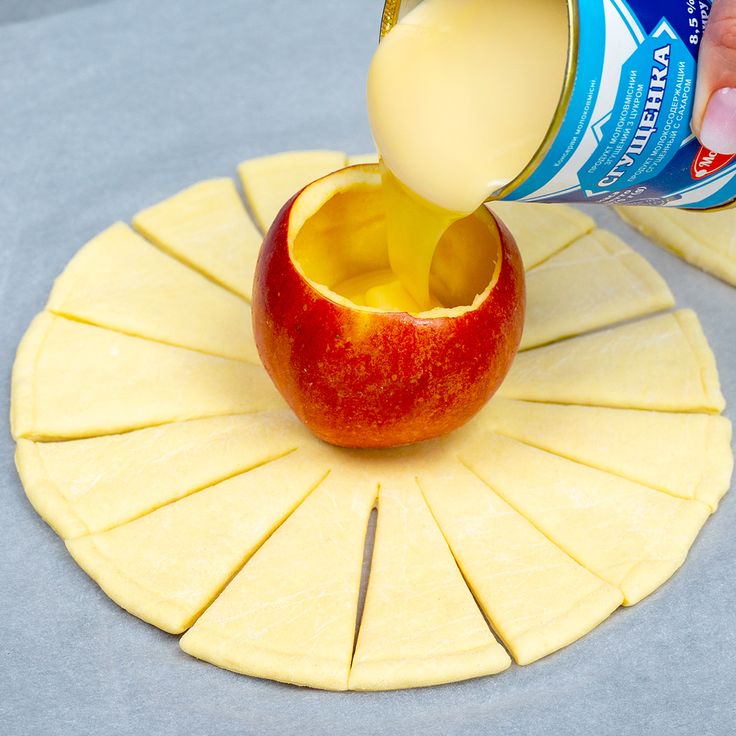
461	94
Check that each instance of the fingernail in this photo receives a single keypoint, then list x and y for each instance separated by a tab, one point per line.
718	131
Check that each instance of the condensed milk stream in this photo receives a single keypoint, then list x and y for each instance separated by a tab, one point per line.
460	97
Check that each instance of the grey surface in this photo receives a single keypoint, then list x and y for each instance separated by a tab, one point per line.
13	11
108	108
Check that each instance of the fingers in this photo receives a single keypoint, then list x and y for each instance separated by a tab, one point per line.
714	111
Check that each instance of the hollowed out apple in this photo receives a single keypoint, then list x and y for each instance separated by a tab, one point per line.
375	376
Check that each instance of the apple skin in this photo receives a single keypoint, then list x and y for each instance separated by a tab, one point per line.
371	380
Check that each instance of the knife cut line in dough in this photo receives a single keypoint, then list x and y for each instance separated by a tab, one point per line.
559	225
207	227
198	543
420	624
705	239
121	282
629	535
661	363
537	598
269	182
289	614
683	454
91	485
72	380
592	283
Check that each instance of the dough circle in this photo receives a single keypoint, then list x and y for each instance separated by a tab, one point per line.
150	438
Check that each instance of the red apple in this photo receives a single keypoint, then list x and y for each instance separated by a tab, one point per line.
364	377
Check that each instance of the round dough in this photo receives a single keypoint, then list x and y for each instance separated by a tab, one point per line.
151	439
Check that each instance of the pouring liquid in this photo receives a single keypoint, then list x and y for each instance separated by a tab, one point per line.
461	94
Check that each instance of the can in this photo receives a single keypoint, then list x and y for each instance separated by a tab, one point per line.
621	132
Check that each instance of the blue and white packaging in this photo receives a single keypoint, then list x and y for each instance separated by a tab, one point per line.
622	133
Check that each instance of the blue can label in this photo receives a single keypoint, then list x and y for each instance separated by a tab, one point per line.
625	137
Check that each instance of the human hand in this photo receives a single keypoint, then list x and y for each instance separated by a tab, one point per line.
714	111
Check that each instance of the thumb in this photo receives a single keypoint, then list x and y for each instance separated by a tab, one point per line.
714	109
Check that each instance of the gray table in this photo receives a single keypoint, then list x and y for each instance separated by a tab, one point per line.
108	107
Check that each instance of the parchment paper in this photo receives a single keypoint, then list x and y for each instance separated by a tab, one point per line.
107	107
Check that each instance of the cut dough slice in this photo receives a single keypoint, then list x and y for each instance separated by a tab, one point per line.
72	380
289	615
362	158
166	567
705	239
630	535
420	624
660	363
537	598
541	230
90	485
686	455
207	227
121	282
269	182
595	282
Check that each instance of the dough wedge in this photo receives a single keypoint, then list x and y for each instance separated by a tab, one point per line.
685	455
537	598
661	363
207	227
629	535
541	230
166	567
420	624
72	380
595	282
705	239
289	614
270	181
119	281
90	485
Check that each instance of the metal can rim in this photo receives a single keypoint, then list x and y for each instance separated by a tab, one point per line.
716	208
389	18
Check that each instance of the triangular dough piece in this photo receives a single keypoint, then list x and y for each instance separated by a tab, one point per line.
119	281
537	598
208	228
166	567
72	380
420	624
660	363
269	182
90	485
686	455
593	283
541	230
289	614
362	158
705	239
630	535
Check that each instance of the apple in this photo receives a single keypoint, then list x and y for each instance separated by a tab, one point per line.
367	376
